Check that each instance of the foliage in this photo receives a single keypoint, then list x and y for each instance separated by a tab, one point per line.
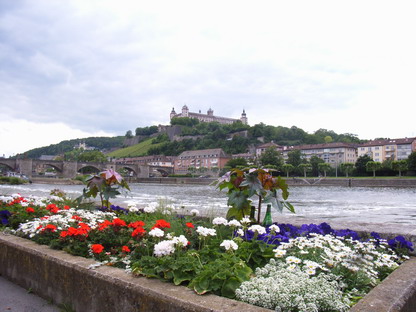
101	143
215	256
129	134
271	157
236	162
373	166
146	130
139	149
315	161
244	184
400	165
412	161
294	158
92	156
288	168
184	121
360	165
305	168
12	180
347	168
106	185
324	167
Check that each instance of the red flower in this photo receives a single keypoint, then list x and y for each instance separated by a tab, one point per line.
78	218
136	224
161	224
125	249
138	232
64	234
50	228
97	248
104	225
119	222
190	225
66	207
30	210
52	208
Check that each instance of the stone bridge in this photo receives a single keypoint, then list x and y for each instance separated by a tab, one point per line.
69	169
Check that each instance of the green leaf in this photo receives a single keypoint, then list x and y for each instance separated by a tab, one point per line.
180	276
229	287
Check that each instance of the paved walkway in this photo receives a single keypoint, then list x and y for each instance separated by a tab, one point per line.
17	299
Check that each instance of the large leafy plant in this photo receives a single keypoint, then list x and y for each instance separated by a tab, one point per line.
106	185
244	185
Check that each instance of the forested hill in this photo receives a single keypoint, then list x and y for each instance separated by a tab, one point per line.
233	139
101	143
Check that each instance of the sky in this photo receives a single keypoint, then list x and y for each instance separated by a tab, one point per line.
75	69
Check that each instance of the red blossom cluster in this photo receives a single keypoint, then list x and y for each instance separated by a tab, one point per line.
48	228
161	224
17	200
80	232
52	208
30	210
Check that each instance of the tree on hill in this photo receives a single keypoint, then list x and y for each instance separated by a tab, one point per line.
184	121
146	130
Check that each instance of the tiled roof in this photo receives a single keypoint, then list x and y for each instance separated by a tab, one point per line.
389	142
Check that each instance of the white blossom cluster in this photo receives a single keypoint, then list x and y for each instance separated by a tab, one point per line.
257	229
150	208
156	232
29	200
63	220
229	245
167	247
219	221
204	232
276	287
337	252
234	223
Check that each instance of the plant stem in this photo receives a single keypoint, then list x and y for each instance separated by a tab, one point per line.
259	210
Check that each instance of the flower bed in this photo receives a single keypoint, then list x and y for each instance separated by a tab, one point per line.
236	259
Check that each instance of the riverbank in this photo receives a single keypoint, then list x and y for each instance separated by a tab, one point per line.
294	181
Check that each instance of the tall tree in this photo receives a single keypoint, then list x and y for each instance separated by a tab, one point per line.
347	168
400	165
373	166
324	167
288	168
294	158
360	165
305	168
315	161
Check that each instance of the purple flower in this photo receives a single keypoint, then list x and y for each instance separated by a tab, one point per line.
4	216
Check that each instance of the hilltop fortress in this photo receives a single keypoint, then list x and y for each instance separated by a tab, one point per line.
208	117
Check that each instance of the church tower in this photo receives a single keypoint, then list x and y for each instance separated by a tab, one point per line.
185	111
172	113
244	117
210	112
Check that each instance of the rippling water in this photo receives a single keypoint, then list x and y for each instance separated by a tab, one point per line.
393	205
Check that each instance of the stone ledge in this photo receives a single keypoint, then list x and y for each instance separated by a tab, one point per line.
63	278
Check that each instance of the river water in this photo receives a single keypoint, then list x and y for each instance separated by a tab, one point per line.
364	204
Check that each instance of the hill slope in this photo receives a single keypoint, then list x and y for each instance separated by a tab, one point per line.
134	150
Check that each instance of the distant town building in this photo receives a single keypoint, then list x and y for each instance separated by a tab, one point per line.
390	149
263	147
332	153
152	160
208	117
84	146
208	159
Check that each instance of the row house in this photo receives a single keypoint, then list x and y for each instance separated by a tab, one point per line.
390	149
332	153
152	160
208	158
263	147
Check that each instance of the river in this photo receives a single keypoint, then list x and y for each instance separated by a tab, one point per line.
364	204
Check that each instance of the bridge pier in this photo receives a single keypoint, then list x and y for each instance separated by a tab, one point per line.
24	166
69	169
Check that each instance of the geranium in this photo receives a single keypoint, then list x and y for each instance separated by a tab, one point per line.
119	222
138	232
190	225
204	232
229	245
136	224
125	249
234	223
49	228
30	210
257	229
97	248
156	232
219	221
161	224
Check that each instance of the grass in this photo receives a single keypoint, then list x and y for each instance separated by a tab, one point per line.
134	150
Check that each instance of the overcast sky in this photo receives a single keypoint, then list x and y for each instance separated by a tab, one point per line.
73	69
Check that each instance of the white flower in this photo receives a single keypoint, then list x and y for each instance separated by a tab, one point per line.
292	259
164	248
203	231
240	232
149	209
279	253
234	223
274	228
310	271
219	221
246	220
195	212
180	241
229	244
156	232
257	228
133	209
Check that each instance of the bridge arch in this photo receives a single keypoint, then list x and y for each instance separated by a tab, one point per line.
87	169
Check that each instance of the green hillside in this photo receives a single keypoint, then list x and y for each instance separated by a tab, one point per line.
134	150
